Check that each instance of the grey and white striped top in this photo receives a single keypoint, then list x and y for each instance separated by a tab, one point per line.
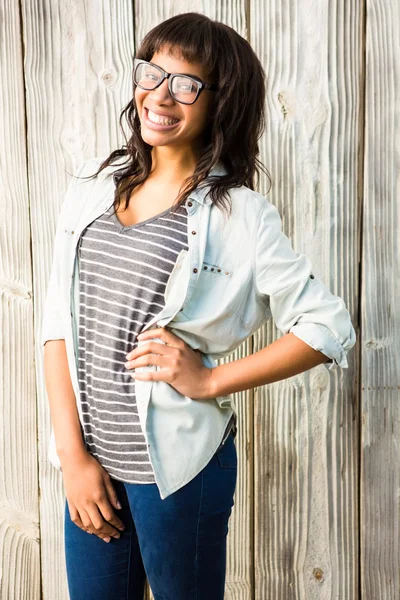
123	271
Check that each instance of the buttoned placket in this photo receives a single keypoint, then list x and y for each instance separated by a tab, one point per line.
196	247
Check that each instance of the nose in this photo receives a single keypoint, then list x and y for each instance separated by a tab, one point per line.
161	93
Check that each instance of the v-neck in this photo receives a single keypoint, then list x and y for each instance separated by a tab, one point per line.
122	227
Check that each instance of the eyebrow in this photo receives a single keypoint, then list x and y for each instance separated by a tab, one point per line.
178	72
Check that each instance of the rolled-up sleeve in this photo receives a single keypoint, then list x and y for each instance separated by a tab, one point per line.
300	303
52	325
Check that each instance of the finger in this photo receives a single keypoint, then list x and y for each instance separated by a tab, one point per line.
113	499
161	375
164	334
75	515
82	519
151	359
100	524
149	347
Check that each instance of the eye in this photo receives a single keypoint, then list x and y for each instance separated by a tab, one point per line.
185	85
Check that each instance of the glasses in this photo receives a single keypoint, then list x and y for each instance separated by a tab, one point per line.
183	88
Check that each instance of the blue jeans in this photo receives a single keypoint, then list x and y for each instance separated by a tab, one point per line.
178	543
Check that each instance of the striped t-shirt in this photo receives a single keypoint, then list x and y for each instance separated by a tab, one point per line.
123	271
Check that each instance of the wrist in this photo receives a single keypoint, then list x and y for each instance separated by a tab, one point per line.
71	454
211	386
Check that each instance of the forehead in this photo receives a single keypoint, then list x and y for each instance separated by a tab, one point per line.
175	63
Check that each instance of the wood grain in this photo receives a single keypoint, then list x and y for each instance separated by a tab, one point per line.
77	71
307	427
380	300
316	512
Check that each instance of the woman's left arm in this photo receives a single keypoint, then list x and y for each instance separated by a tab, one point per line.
183	368
281	359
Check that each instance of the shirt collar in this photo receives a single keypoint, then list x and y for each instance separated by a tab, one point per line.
118	170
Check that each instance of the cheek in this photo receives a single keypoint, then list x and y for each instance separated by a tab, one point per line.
196	118
139	98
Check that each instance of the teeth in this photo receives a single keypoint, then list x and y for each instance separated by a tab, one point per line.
160	120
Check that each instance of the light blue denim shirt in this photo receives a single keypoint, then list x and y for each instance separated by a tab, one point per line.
236	274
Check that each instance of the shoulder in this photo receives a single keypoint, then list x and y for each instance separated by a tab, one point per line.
80	184
83	176
253	206
88	167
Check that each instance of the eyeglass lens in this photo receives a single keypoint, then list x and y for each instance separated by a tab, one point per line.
184	89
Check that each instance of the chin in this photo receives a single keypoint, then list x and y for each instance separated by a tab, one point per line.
154	139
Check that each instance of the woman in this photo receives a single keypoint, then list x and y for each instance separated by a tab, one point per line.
143	424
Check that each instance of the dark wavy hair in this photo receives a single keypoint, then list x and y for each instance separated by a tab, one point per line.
238	107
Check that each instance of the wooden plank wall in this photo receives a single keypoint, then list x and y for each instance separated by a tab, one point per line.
77	62
317	502
306	427
20	536
380	300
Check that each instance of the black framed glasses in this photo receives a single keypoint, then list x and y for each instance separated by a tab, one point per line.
183	88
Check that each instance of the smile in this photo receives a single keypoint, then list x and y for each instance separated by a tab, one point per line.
157	122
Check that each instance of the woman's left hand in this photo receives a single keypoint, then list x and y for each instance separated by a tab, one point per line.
181	366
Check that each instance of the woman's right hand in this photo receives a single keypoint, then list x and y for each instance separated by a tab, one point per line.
91	496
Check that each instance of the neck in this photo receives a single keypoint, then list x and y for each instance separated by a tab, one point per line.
172	165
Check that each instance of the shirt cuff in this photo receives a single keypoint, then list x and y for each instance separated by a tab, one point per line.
46	336
322	339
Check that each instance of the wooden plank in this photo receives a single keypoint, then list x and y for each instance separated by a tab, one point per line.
306	428
380	299
19	493
78	59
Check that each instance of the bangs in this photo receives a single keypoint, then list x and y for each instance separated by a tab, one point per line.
191	41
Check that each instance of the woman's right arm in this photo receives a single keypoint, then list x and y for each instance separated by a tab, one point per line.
63	410
90	494
88	487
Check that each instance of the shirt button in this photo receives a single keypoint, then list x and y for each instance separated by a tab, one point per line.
189	204
194	270
194	232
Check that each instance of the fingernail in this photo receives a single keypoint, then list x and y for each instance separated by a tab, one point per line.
119	505
107	539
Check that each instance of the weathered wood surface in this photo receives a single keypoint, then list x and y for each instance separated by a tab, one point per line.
77	70
296	530
20	573
380	300
307	427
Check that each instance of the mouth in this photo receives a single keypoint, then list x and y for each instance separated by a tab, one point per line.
158	123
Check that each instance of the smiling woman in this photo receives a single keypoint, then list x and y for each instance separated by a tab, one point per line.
145	234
